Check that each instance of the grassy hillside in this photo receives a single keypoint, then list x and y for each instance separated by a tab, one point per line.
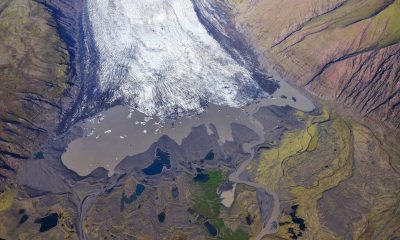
33	76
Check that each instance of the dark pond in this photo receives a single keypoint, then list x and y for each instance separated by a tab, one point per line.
295	233
23	219
296	219
212	230
249	219
133	197
139	189
210	155
48	222
201	177
191	211
161	217
175	192
162	160
39	155
292	233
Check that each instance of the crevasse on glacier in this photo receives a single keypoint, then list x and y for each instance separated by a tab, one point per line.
162	59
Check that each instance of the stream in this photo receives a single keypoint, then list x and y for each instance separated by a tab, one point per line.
235	176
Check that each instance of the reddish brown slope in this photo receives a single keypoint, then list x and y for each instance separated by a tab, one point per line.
347	50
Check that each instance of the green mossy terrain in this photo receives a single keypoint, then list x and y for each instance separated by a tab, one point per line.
207	201
208	204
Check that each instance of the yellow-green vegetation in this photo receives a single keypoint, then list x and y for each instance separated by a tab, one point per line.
332	169
7	199
294	143
308	162
373	12
66	223
339	169
336	30
312	131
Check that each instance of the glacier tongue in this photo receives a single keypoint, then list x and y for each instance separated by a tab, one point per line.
162	59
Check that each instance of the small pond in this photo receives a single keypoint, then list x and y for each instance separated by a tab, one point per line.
48	222
162	160
201	177
210	155
212	230
161	217
133	197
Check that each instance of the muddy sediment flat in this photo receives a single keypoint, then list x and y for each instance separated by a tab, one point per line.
228	196
123	131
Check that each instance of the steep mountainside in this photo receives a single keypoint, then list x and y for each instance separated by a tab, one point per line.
290	170
36	79
342	50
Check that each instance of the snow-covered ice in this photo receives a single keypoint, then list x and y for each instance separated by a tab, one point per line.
162	59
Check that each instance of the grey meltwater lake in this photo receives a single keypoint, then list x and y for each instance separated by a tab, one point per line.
122	131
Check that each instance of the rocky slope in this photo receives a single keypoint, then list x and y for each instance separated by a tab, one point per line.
346	51
335	180
37	77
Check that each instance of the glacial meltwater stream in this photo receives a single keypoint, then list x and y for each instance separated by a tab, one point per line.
158	57
121	131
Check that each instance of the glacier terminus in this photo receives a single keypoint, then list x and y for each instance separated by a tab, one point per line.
162	60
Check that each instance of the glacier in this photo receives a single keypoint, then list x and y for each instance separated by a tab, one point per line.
160	59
